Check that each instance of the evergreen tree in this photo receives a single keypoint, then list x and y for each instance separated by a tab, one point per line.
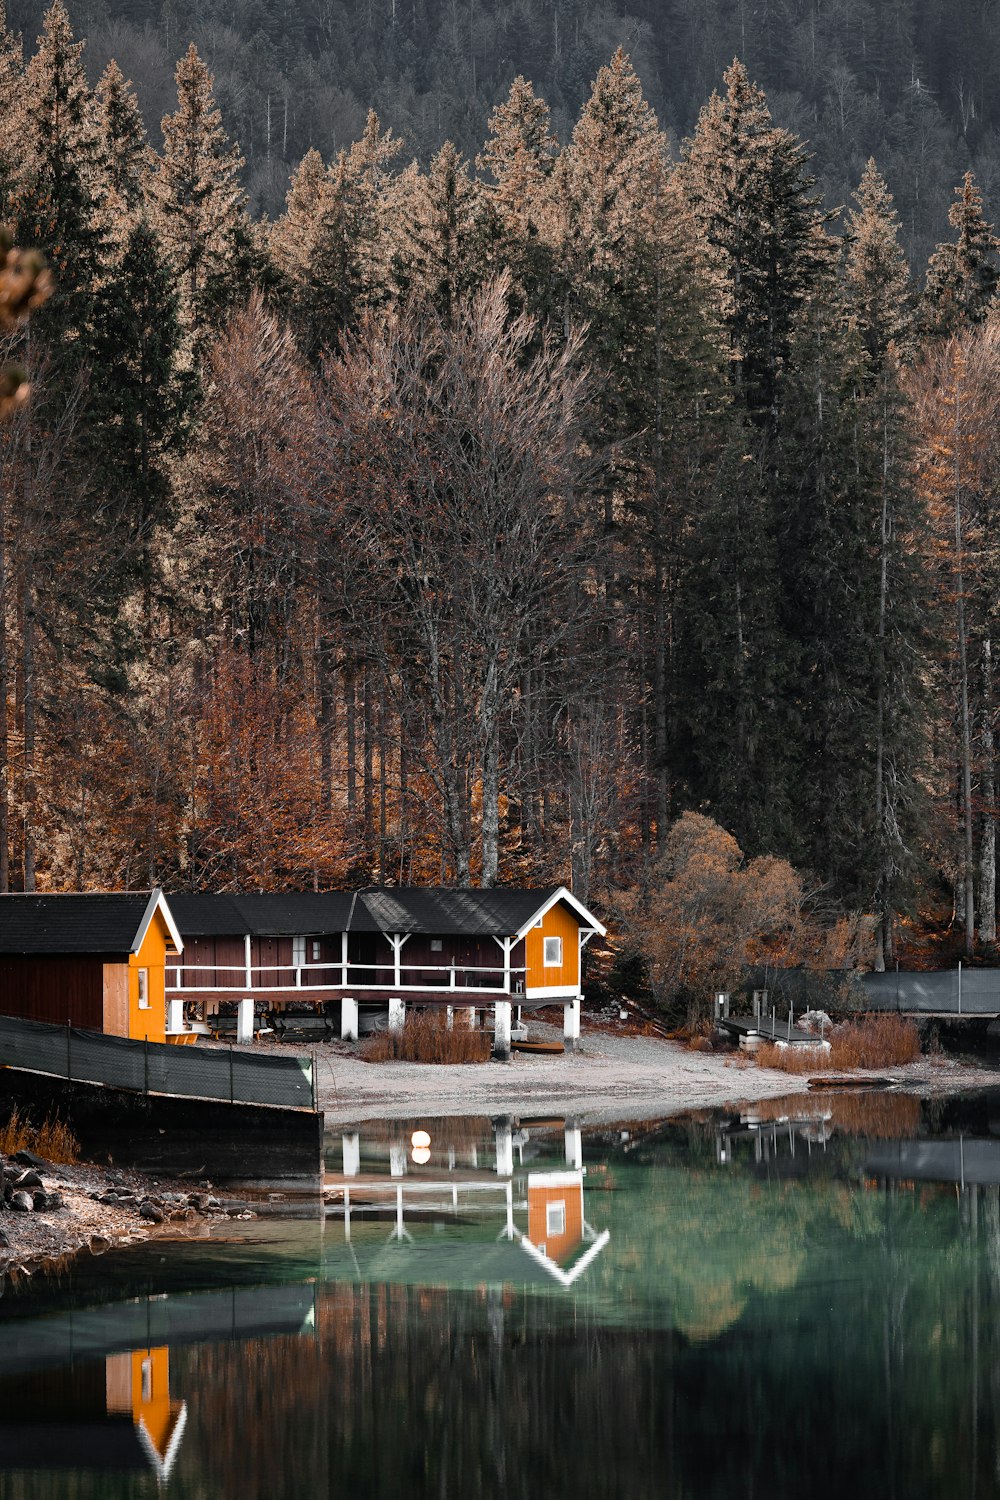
127	154
962	275
879	294
749	189
438	238
142	400
519	157
12	123
198	196
61	200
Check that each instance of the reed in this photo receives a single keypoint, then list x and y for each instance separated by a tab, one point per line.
53	1139
880	1041
426	1037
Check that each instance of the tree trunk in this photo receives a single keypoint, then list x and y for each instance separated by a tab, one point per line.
350	709
988	848
4	705
969	914
28	711
491	805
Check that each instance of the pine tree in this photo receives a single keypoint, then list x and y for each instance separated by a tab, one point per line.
126	150
519	157
142	400
61	200
880	298
877	273
438	236
750	191
12	123
962	275
199	200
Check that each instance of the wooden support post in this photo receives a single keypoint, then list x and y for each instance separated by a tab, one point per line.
244	1021
349	1019
504	1148
248	974
501	1030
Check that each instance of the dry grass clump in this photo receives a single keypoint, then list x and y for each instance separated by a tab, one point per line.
879	1041
426	1037
791	1059
53	1139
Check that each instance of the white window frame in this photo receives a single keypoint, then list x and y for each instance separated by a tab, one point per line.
555	1219
317	950
547	960
142	983
298	952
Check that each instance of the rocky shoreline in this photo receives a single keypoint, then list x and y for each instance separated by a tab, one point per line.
50	1211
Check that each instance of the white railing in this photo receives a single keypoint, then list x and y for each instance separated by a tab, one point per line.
367	977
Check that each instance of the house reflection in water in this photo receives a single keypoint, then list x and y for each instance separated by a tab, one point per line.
518	1225
113	1414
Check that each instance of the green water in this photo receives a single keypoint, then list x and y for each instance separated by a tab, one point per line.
805	1307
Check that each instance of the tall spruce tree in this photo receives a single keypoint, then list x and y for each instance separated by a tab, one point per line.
963	274
128	157
750	191
880	299
13	126
438	234
61	199
198	196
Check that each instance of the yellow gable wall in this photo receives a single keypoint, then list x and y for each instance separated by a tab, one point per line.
559	922
151	1023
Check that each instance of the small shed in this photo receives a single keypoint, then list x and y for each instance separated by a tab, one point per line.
94	959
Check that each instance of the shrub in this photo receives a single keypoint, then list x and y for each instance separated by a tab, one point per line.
426	1037
871	1042
53	1139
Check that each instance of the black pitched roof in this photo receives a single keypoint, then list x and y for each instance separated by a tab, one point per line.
87	922
273	914
477	913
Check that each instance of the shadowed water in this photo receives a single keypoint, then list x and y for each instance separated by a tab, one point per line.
800	1301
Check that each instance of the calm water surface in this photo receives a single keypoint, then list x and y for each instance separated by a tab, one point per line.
800	1302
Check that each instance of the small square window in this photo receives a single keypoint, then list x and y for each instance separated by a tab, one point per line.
553	952
555	1219
143	978
436	945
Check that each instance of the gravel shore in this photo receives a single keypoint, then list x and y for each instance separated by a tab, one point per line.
609	1077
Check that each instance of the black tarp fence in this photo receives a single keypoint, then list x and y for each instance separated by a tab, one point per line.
966	992
231	1075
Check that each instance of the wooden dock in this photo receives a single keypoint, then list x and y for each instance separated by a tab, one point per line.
768	1028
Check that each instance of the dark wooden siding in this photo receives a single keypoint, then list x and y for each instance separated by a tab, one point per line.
56	989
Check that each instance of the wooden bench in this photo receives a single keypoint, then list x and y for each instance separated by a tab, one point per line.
315	1027
223	1028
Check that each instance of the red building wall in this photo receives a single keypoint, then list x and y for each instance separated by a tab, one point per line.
55	989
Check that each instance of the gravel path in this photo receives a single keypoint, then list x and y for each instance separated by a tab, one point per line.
608	1078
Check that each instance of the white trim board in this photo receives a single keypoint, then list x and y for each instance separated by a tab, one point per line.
562	894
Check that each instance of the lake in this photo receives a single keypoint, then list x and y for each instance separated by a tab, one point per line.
802	1299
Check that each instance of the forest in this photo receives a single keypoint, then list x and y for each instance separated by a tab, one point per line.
498	507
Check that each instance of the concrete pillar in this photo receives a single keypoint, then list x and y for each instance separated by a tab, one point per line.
449	1016
573	1139
472	1017
352	1154
501	1030
397	1159
505	1148
397	1014
244	1021
349	1020
175	1017
571	1024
